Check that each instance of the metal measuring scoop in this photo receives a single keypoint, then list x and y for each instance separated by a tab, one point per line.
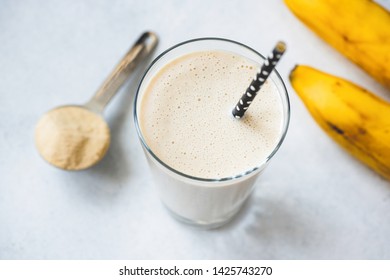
75	137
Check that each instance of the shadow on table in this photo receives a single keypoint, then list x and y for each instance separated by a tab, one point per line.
271	222
116	165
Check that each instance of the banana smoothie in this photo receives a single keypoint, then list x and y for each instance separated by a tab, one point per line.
208	157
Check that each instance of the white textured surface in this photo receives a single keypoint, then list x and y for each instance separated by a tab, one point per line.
314	201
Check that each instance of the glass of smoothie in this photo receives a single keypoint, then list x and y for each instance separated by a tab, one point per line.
205	161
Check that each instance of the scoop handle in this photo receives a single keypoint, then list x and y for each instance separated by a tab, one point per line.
141	48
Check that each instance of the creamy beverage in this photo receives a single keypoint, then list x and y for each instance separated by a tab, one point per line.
184	117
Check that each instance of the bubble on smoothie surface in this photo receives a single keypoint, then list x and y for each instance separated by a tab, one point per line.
72	137
186	118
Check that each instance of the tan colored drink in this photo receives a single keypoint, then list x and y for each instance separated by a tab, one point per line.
206	159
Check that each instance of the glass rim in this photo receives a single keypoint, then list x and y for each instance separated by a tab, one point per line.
211	180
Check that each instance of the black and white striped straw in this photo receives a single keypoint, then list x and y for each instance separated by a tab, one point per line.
262	75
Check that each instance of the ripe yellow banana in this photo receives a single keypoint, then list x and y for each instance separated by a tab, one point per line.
359	29
355	118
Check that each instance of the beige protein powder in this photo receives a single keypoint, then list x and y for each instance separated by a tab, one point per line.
72	137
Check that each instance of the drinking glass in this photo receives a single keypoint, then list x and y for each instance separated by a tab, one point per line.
203	202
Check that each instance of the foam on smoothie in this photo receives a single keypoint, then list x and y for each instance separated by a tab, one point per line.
186	118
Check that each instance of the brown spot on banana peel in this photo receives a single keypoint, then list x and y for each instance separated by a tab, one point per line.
360	131
345	37
335	128
384	170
